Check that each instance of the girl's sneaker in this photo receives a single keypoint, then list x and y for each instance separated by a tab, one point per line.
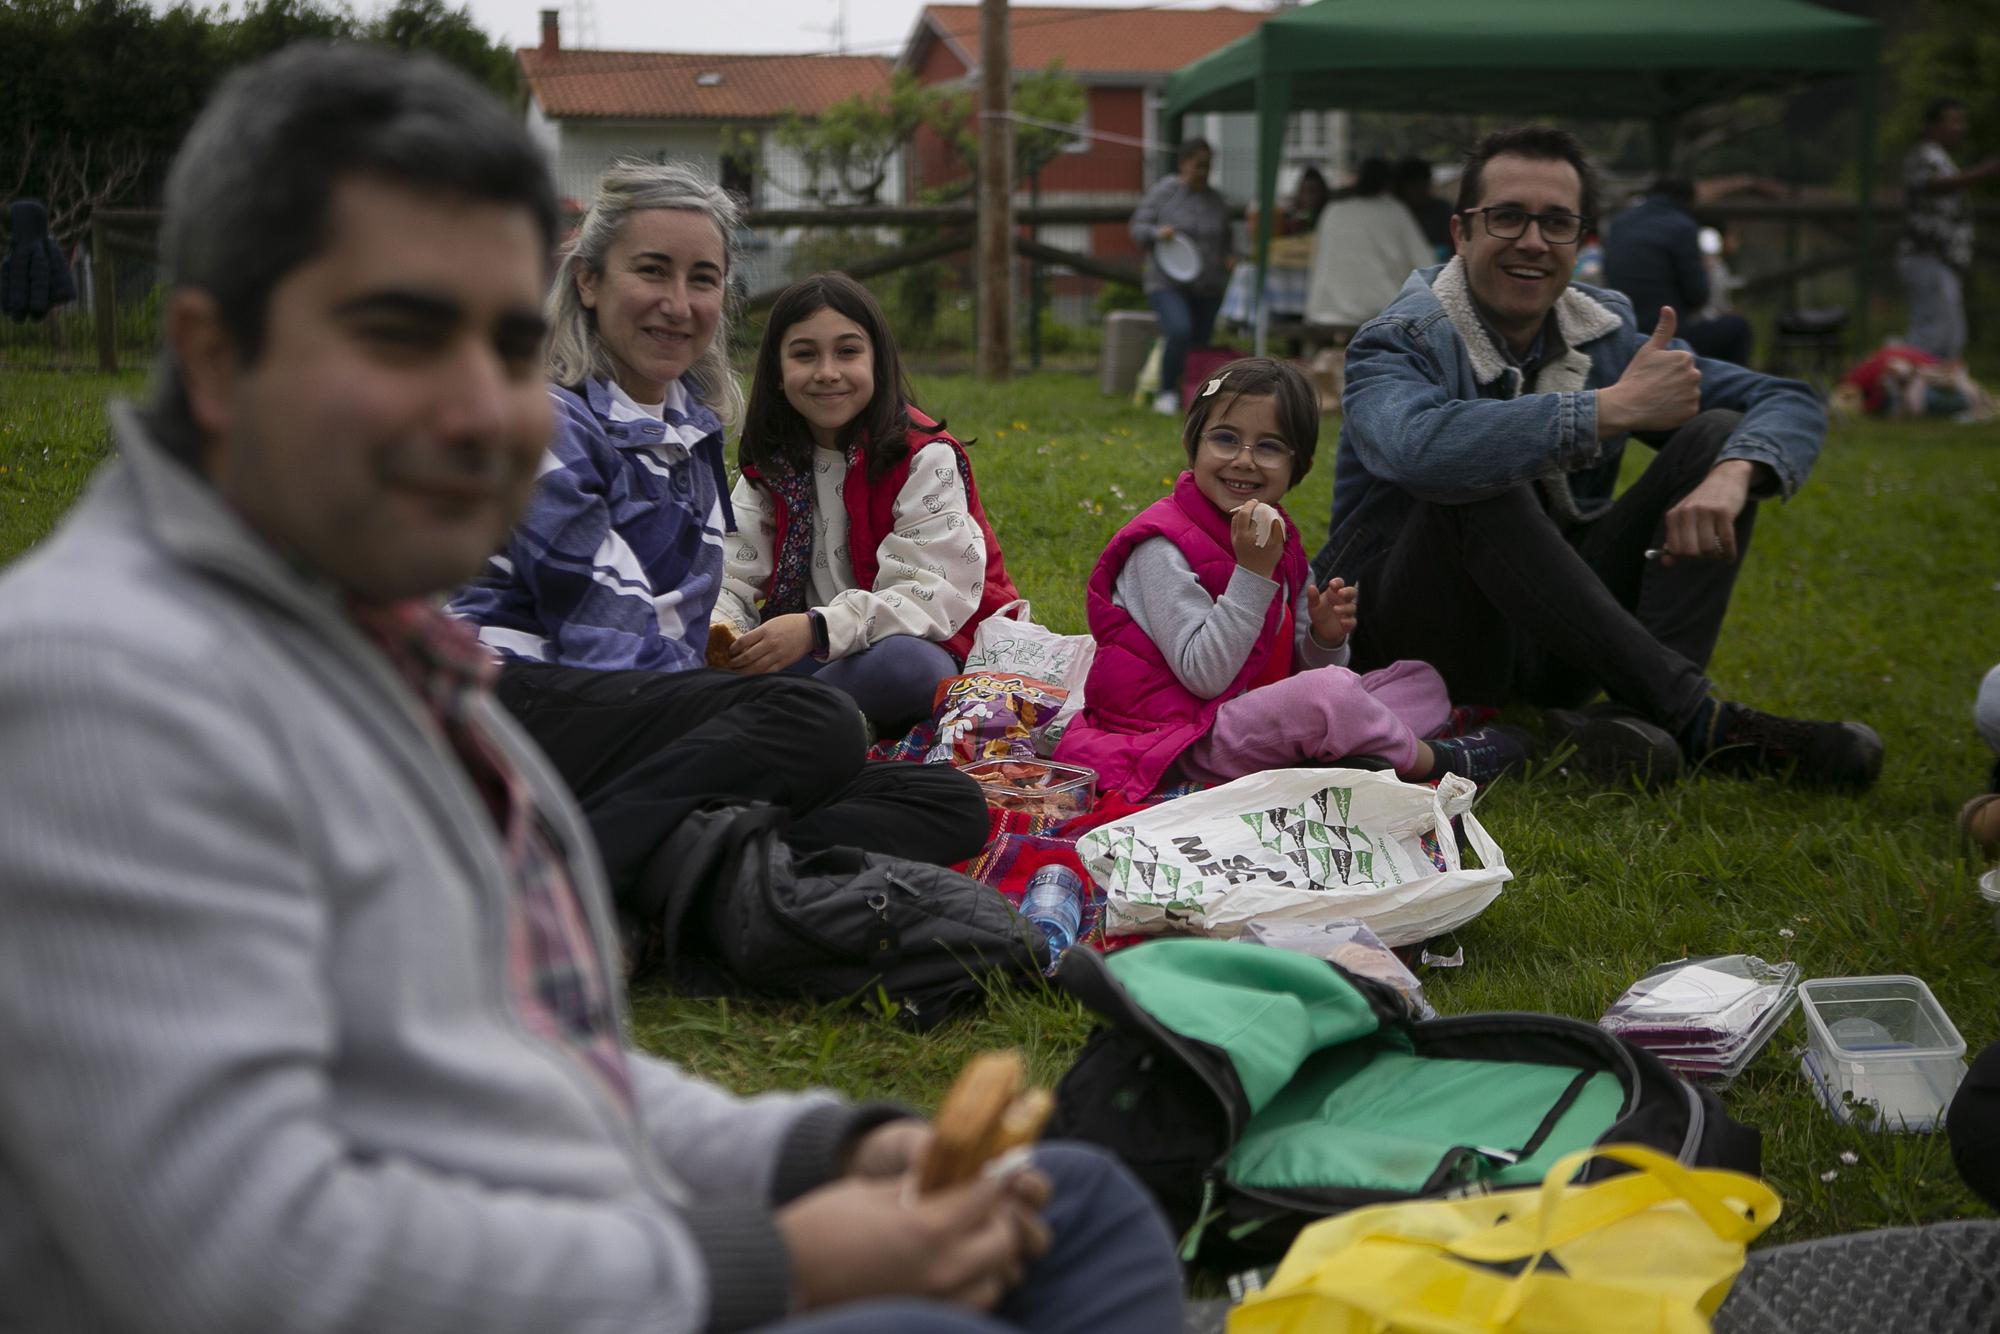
1489	753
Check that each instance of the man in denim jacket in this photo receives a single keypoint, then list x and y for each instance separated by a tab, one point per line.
1487	410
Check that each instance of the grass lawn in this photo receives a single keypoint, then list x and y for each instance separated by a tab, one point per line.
1875	595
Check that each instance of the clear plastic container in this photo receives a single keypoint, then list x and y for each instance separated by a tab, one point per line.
1706	1017
1037	787
1884	1042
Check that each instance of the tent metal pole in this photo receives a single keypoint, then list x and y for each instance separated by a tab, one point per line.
1274	98
1864	230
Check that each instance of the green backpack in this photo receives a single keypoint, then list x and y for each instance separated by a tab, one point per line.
1255	1089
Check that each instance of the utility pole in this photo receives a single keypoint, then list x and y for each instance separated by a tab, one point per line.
996	195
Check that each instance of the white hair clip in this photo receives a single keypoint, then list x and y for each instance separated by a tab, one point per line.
1213	385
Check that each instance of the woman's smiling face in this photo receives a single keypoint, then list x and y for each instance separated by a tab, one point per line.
828	369
658	298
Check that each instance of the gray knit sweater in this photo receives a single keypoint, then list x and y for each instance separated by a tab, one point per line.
261	1072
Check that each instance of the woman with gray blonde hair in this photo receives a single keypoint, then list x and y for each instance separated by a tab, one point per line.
575	351
619	557
599	605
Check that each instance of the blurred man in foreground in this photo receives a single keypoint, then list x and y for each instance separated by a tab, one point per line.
308	986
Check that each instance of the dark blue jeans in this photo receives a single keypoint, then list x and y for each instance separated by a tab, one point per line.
1111	1269
1186	321
892	681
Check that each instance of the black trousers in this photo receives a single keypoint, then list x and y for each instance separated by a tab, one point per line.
1973	1126
1511	606
642	750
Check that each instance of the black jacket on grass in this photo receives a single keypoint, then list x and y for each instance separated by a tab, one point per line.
34	276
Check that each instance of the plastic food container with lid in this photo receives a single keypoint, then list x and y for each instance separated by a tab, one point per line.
1884	1042
1037	787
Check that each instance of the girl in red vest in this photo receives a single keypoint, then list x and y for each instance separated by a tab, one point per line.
1217	656
862	553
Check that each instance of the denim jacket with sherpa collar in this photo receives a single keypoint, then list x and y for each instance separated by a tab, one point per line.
1434	412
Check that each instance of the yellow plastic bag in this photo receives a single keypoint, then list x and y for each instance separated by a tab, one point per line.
1649	1252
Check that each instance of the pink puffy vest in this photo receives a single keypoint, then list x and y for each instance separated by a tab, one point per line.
1137	717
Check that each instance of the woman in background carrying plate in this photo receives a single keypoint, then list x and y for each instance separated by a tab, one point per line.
1184	226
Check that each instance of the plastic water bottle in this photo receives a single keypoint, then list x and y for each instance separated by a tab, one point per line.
1054	903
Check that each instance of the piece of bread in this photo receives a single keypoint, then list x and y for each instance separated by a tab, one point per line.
721	639
1265	517
985	1114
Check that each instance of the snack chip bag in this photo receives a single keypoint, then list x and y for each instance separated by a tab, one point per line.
991	716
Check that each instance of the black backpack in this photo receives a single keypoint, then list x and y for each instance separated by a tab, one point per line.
1255	1089
725	906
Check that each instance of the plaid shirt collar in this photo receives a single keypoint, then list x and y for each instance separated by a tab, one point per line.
556	977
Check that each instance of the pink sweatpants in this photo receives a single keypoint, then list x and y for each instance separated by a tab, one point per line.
1321	717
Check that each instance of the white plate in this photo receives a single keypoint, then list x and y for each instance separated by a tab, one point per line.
1178	258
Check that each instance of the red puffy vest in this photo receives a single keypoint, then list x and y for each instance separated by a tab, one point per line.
871	505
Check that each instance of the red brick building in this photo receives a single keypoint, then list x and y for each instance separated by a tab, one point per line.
1120	56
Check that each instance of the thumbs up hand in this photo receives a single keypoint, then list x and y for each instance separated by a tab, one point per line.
1659	391
1663	329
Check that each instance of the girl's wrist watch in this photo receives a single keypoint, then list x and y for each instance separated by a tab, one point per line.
822	643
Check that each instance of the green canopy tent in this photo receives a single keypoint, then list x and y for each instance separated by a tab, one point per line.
1617	59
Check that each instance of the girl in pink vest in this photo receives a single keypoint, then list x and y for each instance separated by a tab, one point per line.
1217	656
862	553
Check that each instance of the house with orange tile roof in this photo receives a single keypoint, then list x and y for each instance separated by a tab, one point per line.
587	107
1122	57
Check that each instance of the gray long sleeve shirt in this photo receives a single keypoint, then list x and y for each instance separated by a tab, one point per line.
1207	640
263	1072
1200	215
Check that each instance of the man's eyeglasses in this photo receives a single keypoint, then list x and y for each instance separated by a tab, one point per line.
1225	446
1504	222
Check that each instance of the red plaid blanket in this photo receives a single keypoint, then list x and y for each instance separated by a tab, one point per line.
1019	844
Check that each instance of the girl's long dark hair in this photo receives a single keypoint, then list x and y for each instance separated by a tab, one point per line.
775	437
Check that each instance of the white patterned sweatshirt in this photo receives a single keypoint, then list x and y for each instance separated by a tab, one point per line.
929	576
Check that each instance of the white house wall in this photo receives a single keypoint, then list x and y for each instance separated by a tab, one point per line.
585	149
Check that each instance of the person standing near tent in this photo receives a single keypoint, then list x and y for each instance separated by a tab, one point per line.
1487	411
1936	246
1365	246
1184	285
1653	255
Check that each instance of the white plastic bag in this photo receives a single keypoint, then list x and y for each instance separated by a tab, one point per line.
1010	643
1302	845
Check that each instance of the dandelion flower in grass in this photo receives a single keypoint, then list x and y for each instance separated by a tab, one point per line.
1786	933
1020	426
1830	1174
1850	1157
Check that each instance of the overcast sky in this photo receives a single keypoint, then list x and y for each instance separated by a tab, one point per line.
872	26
